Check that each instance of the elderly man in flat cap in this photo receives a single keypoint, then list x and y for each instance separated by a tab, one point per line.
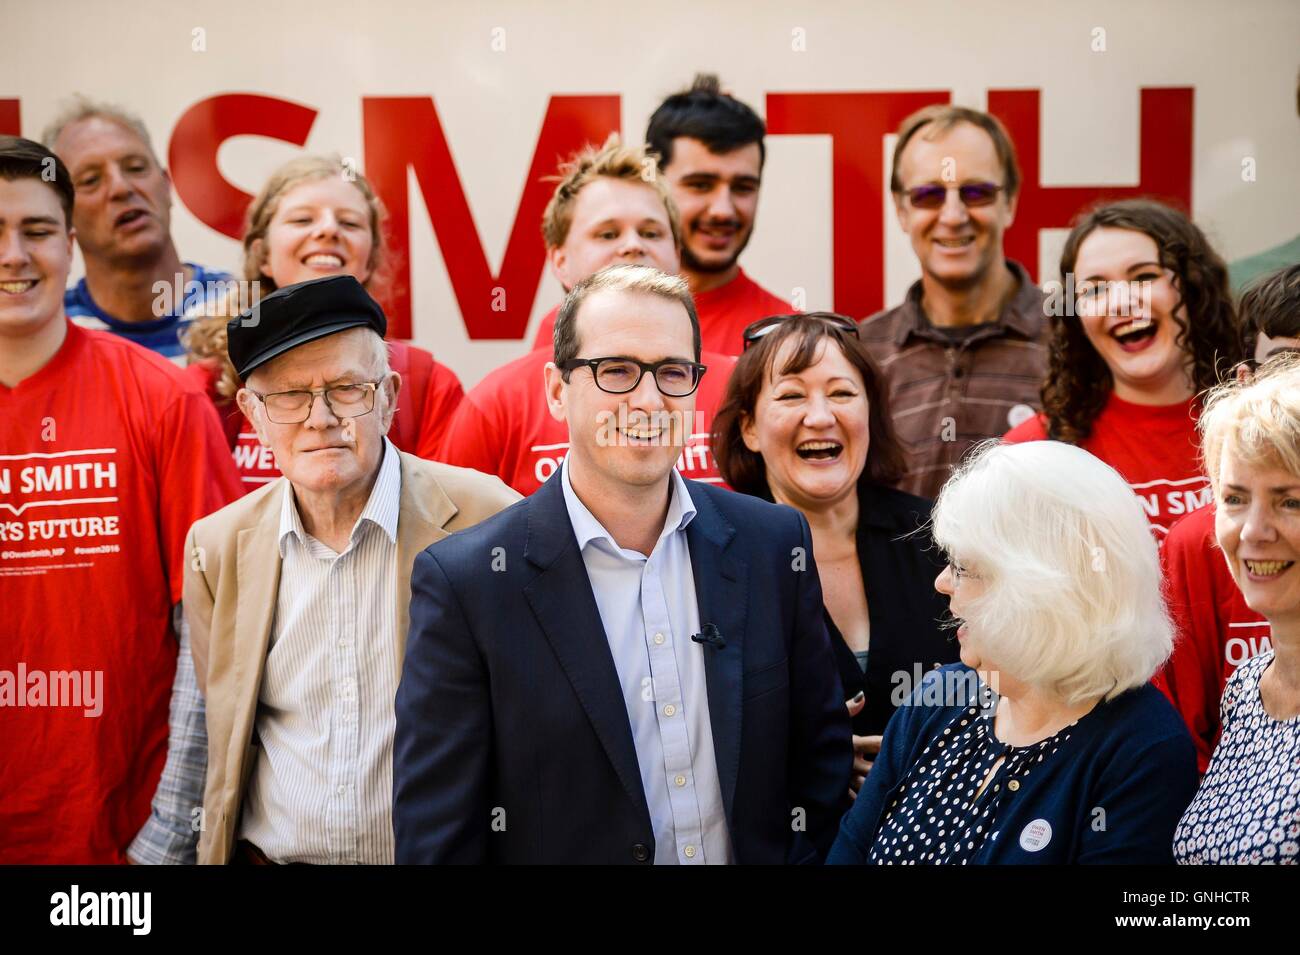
296	596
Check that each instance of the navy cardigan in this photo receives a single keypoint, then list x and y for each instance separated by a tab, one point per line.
1112	793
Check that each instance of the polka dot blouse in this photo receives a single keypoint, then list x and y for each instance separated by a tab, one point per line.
938	814
1248	807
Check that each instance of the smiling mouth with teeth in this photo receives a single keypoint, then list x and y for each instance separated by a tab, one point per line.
1133	331
324	259
18	287
1267	568
819	450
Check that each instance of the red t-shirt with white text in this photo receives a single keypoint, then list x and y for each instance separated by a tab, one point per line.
1216	630
1153	447
504	426
724	314
107	456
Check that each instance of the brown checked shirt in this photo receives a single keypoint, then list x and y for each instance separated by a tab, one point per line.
951	388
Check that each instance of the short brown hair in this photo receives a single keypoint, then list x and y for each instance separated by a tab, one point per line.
24	159
744	469
620	278
613	161
942	117
1271	304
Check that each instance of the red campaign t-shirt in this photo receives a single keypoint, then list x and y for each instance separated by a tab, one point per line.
1154	448
429	396
107	456
724	315
504	427
1216	630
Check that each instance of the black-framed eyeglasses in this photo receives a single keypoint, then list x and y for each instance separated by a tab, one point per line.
343	401
765	326
933	195
617	375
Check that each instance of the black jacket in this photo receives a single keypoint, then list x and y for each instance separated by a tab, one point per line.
898	572
513	742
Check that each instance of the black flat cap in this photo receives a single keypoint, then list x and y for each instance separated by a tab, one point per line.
297	314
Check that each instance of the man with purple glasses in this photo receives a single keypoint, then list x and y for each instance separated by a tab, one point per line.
965	354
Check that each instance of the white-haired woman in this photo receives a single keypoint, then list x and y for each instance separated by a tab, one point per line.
1248	807
1047	743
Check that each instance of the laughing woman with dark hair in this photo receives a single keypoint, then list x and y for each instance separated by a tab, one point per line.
805	423
1151	326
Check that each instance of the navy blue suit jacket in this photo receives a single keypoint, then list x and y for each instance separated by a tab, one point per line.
513	742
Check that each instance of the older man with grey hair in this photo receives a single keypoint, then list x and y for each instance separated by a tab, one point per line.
296	595
136	284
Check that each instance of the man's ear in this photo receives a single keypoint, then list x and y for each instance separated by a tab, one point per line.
555	391
1012	202
392	386
900	210
558	260
252	410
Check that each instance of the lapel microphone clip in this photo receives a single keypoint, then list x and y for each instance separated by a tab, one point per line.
711	636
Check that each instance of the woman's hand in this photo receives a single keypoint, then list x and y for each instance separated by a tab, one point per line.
864	747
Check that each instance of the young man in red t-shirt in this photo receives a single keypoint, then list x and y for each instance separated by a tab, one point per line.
107	456
1217	631
604	212
710	151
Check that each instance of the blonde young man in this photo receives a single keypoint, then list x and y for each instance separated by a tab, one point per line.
609	208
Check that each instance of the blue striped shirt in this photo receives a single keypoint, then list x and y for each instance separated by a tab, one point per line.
161	335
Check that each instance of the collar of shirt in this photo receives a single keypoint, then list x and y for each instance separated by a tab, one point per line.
381	509
681	511
1022	314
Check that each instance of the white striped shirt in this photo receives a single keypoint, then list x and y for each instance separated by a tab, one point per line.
322	784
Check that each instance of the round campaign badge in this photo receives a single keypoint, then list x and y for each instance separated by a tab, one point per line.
1019	414
1036	835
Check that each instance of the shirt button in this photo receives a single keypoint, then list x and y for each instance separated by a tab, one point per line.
669	710
1014	785
680	780
689	852
341	790
659	639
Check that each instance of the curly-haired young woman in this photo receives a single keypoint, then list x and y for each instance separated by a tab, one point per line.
1148	326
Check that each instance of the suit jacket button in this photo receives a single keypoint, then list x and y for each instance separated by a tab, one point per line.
640	853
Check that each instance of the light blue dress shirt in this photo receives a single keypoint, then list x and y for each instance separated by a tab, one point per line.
649	611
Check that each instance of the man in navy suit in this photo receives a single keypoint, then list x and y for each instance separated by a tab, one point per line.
626	667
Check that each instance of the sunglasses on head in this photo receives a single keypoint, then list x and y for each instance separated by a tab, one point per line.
933	196
765	326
